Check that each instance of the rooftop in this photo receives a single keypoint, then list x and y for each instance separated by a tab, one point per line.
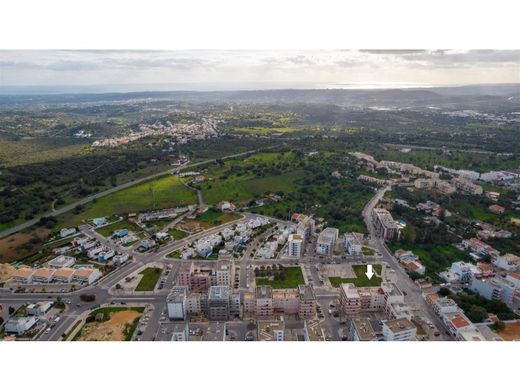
399	325
364	329
218	292
263	292
306	292
267	329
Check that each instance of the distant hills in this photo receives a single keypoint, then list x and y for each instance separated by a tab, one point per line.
341	97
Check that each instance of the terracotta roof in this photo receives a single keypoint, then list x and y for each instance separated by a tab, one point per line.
43	273
84	272
64	272
459	322
23	272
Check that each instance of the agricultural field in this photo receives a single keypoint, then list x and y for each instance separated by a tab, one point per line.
288	277
165	192
117	324
361	280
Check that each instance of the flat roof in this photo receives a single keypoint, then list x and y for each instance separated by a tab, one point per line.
364	328
306	292
262	292
218	292
266	329
399	325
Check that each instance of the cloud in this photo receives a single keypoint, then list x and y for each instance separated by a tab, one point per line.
305	67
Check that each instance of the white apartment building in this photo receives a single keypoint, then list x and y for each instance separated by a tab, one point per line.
295	245
400	329
326	241
352	243
176	303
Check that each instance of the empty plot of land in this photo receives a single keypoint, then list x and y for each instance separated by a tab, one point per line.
149	280
361	280
510	332
114	324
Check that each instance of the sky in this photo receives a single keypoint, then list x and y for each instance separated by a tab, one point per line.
252	69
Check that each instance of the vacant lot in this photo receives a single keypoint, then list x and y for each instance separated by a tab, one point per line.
149	280
361	280
214	217
177	234
118	324
22	244
291	279
511	332
108	230
166	192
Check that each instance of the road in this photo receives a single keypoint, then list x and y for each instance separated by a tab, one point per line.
413	292
25	225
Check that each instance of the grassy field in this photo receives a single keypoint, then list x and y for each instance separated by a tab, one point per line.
149	280
174	255
177	234
213	217
361	280
165	192
244	188
108	230
434	257
294	277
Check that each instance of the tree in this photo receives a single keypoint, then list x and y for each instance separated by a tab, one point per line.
11	310
118	286
477	314
500	326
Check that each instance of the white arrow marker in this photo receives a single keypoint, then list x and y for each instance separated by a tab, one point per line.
369	272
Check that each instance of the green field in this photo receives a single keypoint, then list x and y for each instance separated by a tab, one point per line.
108	230
216	217
294	277
149	280
361	280
174	255
434	257
177	234
244	188
165	192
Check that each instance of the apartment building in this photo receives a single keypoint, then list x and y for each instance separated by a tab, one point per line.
349	299
384	224
176	303
218	303
352	243
400	329
326	241
263	302
62	261
295	245
271	330
307	302
360	329
285	301
223	273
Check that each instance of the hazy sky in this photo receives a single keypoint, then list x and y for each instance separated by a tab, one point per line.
213	69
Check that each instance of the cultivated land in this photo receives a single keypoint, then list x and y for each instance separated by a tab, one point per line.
293	278
149	280
361	280
118	324
166	192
